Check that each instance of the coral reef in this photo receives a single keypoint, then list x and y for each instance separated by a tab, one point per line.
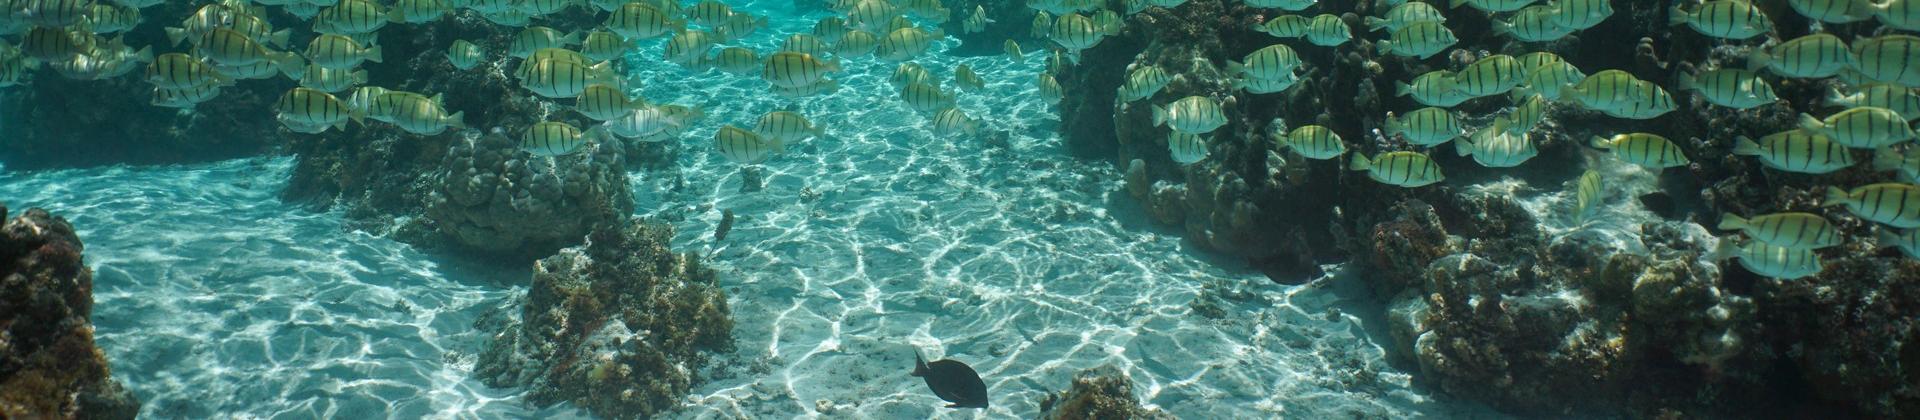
49	366
1104	392
618	326
494	198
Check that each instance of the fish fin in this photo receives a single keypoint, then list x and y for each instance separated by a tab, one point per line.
1808	122
1501	28
1677	16
1375	24
1360	162
1836	197
1727	248
457	121
1384	46
1159	115
1886	159
1455	4
280	39
1686	81
1402	89
1463	147
919	364
373	54
438	98
1836	97
571	38
1758	59
1730	221
1886	238
145	55
359	76
175	35
1600	142
1744	146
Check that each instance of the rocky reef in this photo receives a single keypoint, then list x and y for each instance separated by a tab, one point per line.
618	326
1487	301
49	366
1104	392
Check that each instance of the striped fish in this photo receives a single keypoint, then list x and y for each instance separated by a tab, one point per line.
1908	241
1532	24
795	70
1892	204
1049	88
744	147
1534	60
1798	151
181	71
1186	149
739	26
925	98
1730	19
524	69
953	122
1768	260
1495	147
1835	11
465	55
385	105
552	138
1430	126
534	38
1581	14
1328	31
339	52
418	11
737	60
1603	91
1900	14
1402	169
605	103
1435	88
1588	192
1898	99
1075	32
687	47
650	120
351	17
1491	75
331	80
1737	89
1264	86
54	44
804	43
112	18
1525	116
906	43
637	20
313	108
710	13
1013	50
53	13
1861	127
1287	5
1420	39
1143	82
1191	115
1285	26
1812	56
967	79
1888	159
1647	150
1491	6
872	15
544	7
1042	25
1405	14
427	118
1108	21
1314	142
1889	59
1272	62
364	97
787	127
556	78
228	47
1786	230
830	29
603	46
1645	101
857	43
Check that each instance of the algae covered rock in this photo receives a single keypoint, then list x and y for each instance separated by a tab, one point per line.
618	326
49	366
494	198
1100	393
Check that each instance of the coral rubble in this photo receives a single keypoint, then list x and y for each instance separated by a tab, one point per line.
49	366
618	326
1099	393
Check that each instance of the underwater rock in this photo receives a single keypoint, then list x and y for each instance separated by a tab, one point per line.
1403	248
1852	332
1104	392
494	198
618	326
49	365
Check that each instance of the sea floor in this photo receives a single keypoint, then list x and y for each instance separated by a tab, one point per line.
214	299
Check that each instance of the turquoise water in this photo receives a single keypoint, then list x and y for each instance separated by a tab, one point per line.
217	300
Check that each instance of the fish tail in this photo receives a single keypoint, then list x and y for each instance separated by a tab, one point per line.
1886	238
1501	28
145	55
1384	46
1676	16
1807	121
457	121
1837	196
1836	97
279	39
1375	24
919	364
1724	250
1686	81
373	54
1159	116
1744	146
1730	221
1402	89
1600	142
1455	4
1758	58
1462	147
175	35
1360	162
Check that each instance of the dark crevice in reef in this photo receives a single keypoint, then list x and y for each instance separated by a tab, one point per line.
49	365
1480	300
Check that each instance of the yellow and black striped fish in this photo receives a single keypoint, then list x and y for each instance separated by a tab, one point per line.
339	52
1647	150
1768	260
1792	230
313	108
552	138
786	127
795	70
1892	204
636	20
744	147
1796	150
1314	142
1811	56
1401	169
1430	126
1861	127
181	71
1191	115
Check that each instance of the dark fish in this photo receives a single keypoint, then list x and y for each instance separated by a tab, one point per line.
726	224
952	381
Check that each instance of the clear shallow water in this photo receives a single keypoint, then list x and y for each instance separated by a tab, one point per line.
216	300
